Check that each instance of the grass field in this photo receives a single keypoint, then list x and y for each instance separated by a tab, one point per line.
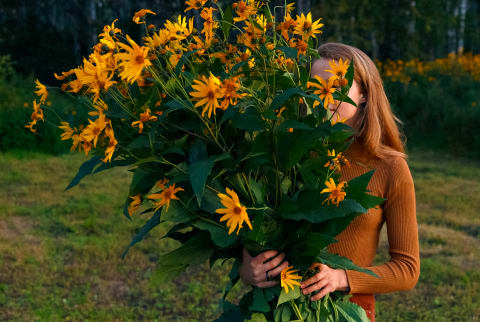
60	251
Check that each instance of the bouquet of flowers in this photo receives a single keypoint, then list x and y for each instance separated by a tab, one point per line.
229	140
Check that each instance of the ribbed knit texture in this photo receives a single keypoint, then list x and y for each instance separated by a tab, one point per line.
359	241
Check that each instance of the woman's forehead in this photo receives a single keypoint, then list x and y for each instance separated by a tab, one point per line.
319	66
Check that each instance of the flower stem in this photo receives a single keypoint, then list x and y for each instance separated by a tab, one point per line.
296	310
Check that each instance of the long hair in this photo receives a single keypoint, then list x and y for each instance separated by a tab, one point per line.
375	124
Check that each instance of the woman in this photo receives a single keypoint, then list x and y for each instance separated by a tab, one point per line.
377	145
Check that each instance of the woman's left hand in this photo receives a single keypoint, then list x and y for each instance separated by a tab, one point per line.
327	280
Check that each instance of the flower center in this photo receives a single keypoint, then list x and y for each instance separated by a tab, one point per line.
139	60
168	194
237	210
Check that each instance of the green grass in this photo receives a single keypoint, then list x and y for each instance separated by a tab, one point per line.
60	250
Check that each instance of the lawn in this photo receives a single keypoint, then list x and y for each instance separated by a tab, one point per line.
60	250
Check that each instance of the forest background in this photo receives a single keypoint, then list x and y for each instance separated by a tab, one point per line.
59	253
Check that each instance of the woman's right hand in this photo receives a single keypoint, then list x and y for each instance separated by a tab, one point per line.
253	269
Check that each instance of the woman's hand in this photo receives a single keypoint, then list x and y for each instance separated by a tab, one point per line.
327	280
254	270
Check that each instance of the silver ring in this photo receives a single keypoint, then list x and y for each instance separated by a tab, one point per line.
266	274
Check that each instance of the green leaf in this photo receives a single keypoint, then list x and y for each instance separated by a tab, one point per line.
85	169
313	242
149	225
218	233
283	313
258	191
140	142
227	21
350	73
234	277
293	124
335	226
299	143
259	302
357	188
125	208
183	60
304	76
174	105
142	181
291	295
279	100
337	261
231	315
258	317
176	213
370	201
343	97
351	312
289	52
309	207
198	151
249	120
113	164
199	172
194	252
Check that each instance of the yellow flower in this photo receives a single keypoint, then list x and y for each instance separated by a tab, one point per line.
289	279
161	183
94	129
67	131
306	28
179	30
234	213
337	162
100	107
41	91
111	29
158	40
337	119
300	45
230	87
209	24
133	61
111	144
144	117
140	14
325	90
244	10
279	111
207	92
194	4
165	196
336	192
134	204
37	115
339	71
288	25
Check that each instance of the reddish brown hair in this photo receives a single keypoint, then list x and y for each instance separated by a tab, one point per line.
375	124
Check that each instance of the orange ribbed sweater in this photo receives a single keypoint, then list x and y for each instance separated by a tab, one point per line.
359	241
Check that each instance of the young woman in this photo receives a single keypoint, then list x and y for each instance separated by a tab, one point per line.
377	145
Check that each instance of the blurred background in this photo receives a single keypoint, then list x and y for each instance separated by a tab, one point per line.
60	251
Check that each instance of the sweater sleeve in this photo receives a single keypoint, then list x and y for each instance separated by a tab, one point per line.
401	272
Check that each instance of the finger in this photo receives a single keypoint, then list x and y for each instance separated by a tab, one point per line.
266	284
322	293
276	271
312	280
263	257
246	254
315	287
271	264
